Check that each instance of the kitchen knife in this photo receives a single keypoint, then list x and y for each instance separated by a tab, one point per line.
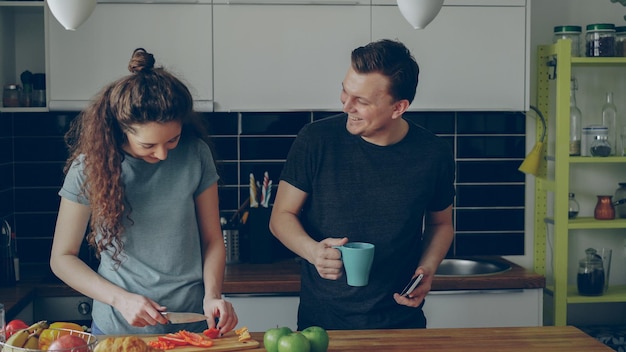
181	318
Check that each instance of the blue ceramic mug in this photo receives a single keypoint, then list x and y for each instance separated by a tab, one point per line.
357	260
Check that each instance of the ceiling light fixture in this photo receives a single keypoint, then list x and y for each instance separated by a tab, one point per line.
71	13
419	13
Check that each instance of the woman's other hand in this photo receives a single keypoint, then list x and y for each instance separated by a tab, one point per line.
224	316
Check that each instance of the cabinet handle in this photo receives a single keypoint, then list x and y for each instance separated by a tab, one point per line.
266	294
149	1
464	292
290	2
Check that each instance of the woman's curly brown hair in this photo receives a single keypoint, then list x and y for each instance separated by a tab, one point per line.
148	94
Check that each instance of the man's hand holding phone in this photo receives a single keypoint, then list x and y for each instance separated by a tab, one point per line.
411	285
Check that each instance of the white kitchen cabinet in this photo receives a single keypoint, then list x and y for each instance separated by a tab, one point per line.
261	312
484	308
22	43
473	56
179	35
443	309
291	56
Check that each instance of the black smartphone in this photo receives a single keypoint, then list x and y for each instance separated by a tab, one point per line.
412	285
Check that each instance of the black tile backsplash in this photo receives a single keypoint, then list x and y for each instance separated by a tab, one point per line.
489	147
490	171
489	195
490	123
278	124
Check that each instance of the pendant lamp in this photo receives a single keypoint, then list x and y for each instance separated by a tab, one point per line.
419	13
71	13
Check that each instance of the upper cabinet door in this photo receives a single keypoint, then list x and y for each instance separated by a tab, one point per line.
285	57
82	62
470	57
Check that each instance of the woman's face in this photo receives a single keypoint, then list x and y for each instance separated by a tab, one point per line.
152	141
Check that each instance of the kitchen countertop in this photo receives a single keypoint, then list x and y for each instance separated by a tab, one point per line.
276	278
510	339
284	277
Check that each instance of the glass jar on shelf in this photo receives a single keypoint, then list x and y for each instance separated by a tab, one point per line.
620	41
11	95
569	32
600	146
600	40
620	200
590	278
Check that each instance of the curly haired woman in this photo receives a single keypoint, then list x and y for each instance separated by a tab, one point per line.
141	183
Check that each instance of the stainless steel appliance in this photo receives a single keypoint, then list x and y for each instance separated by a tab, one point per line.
76	309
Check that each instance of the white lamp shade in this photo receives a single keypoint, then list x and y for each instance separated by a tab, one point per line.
419	13
71	13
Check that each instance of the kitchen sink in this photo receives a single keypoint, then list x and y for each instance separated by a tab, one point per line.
471	267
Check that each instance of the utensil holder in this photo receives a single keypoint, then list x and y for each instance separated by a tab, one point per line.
231	241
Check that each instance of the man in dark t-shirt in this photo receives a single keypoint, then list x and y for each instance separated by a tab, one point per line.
367	175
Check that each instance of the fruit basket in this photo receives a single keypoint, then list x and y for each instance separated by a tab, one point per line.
90	342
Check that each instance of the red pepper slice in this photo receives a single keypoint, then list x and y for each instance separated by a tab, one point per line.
195	339
161	345
173	339
212	333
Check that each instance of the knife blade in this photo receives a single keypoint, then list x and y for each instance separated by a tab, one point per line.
181	318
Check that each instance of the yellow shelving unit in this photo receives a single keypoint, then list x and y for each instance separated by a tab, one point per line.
554	71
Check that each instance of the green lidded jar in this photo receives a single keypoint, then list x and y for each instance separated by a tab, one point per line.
569	32
600	39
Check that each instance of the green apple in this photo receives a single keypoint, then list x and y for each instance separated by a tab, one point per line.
318	337
294	342
271	336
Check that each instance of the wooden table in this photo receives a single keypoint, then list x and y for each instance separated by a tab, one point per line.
516	339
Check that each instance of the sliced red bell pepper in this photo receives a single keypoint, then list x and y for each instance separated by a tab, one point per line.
195	339
161	345
212	333
173	339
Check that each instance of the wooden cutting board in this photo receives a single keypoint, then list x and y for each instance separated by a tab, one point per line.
226	343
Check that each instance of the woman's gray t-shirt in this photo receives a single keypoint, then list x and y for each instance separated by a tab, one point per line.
162	256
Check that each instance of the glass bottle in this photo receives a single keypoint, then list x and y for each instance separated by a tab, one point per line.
609	119
575	120
574	207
